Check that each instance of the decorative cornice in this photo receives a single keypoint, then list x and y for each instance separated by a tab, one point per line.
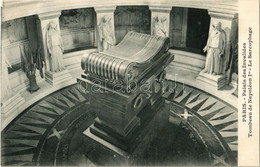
221	15
11	10
105	9
162	9
49	15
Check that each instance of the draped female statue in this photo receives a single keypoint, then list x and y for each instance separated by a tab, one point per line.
215	50
106	35
55	48
159	26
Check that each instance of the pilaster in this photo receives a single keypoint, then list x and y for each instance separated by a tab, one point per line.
160	20
42	26
105	22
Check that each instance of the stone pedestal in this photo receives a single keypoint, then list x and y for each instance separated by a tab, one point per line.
126	97
10	105
126	150
57	77
213	81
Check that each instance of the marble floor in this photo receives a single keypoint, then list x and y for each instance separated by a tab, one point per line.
50	132
29	99
189	78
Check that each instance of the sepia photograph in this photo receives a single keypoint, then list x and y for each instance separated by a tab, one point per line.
130	83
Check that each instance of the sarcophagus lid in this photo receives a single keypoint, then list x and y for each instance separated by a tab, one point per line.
131	59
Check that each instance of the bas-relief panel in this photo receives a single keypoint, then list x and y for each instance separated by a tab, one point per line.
77	28
159	25
132	15
131	18
14	31
105	29
14	37
77	19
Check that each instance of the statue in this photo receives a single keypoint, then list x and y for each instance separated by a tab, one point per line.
55	48
215	50
159	26
5	86
106	35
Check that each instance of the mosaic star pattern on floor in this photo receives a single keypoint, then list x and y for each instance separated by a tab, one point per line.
193	106
23	139
42	133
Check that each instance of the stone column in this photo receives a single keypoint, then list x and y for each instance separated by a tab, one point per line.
160	20
43	22
225	19
105	21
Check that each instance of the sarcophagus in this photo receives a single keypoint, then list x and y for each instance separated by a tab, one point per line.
125	83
